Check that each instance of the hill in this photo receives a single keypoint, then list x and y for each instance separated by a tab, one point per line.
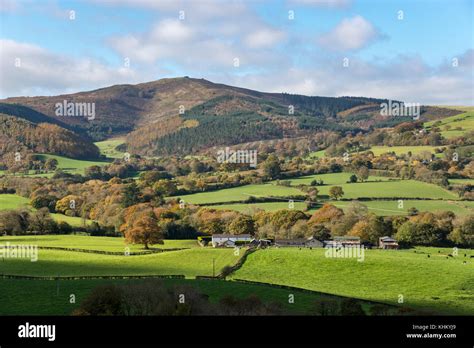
183	115
19	135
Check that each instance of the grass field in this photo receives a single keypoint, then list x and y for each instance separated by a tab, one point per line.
73	166
461	181
108	147
437	284
249	208
330	179
387	208
52	297
12	201
240	193
376	187
396	188
189	262
92	243
398	150
317	154
463	121
378	207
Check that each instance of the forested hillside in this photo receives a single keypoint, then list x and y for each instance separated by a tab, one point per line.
21	136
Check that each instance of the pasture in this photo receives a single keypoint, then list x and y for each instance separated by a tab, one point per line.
241	193
438	284
392	189
189	262
454	126
391	207
399	150
108	147
71	165
117	244
52	297
12	201
252	207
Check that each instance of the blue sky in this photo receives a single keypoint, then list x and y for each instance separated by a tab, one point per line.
44	51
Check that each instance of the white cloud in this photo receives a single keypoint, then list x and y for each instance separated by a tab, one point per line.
322	3
350	34
27	69
264	38
403	78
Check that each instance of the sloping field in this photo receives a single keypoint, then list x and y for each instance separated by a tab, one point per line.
458	125
12	201
439	284
387	208
92	243
189	262
240	194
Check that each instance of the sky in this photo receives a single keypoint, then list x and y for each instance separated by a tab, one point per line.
418	51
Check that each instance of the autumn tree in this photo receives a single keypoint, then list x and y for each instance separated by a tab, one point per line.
369	230
51	164
165	187
130	195
363	173
145	230
336	192
271	167
41	222
243	224
327	214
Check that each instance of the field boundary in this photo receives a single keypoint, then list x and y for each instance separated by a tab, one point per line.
287	287
162	276
115	253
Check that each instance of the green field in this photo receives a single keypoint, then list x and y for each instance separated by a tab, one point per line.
251	207
461	181
330	179
92	243
395	188
387	208
73	166
52	297
317	154
108	147
66	164
438	284
399	150
240	194
12	201
463	121
189	262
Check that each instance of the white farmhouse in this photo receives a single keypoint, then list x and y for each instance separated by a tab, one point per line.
229	240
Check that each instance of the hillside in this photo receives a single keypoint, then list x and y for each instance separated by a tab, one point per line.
186	115
24	137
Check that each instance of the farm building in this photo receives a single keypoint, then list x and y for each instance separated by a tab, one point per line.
387	243
314	243
229	240
344	241
261	243
299	242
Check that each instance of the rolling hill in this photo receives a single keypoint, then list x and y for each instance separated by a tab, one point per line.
187	115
